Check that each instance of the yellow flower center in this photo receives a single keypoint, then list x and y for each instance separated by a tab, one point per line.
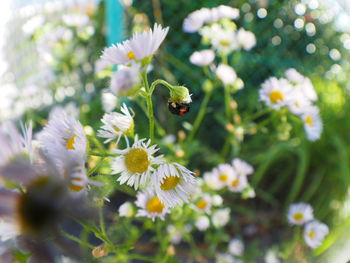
154	205
202	204
235	182
70	143
136	160
76	187
308	120
223	177
298	216
276	96
225	43
170	183
131	55
312	234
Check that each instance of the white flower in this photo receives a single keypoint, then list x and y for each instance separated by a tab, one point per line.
312	123
301	82
298	102
275	92
109	102
116	125
126	209
140	46
150	205
226	258
242	167
175	234
221	217
196	20
75	20
300	213
294	76
125	80
236	247
173	183
8	230
202	58
314	233
226	74
64	140
238	183
136	163
225	41
271	257
224	174
246	39
203	204
225	11
202	223
13	143
217	200
211	180
33	24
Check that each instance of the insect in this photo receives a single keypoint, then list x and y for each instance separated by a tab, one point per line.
178	108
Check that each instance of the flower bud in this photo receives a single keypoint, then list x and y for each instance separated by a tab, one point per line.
207	86
180	94
100	251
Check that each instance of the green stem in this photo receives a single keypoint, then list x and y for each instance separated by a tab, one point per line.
227	103
149	105
200	116
160	82
71	237
141	257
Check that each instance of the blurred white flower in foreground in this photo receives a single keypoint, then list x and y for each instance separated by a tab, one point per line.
126	209
246	39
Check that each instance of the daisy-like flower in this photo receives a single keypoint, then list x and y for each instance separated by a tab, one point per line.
246	39
221	217
126	209
298	102
150	205
135	163
301	82
202	223
225	41
64	140
195	20
13	143
312	123
217	200
202	204
125	82
226	74
202	58
225	11
238	183
242	167
212	181
224	174
141	46
173	183
275	92
314	233
300	213
236	247
116	125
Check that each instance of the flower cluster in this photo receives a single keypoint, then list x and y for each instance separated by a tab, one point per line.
297	93
314	230
232	176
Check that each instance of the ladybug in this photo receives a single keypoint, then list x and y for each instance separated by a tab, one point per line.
178	108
